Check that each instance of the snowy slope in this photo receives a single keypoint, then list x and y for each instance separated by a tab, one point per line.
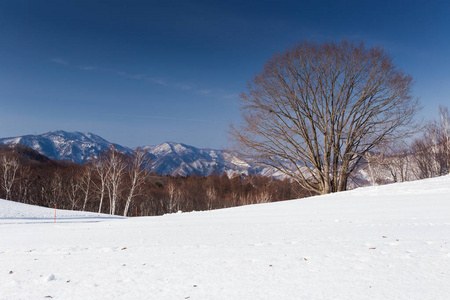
385	242
14	212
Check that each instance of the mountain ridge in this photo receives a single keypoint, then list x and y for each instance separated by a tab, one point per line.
74	146
168	158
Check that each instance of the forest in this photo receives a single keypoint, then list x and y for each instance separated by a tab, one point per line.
116	183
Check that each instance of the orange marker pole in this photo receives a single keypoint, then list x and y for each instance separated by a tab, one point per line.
55	213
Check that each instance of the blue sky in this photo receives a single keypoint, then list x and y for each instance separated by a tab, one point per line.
145	72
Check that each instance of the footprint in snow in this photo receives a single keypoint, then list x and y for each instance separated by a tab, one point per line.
49	278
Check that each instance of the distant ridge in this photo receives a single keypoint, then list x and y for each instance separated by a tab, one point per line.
62	145
167	158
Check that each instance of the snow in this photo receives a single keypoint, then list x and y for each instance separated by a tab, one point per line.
8	141
162	149
383	242
14	212
238	162
179	148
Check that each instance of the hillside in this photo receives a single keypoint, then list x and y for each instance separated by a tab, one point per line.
383	242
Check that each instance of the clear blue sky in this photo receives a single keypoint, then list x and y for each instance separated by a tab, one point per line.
145	72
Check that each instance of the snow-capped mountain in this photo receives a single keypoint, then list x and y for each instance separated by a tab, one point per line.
180	159
167	158
62	145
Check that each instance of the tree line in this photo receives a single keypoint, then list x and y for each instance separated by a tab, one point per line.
426	156
116	183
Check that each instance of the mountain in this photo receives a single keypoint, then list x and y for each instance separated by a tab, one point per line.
179	159
62	145
167	158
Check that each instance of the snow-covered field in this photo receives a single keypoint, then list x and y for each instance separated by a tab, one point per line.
387	242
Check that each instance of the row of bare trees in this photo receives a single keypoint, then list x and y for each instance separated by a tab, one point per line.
433	148
116	172
426	156
9	168
116	183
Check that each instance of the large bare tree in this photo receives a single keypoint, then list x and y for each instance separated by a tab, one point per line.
315	110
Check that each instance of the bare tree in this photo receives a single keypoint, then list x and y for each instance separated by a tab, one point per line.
211	198
317	109
100	168
85	184
9	167
264	197
26	180
174	197
425	158
116	165
137	170
55	188
72	191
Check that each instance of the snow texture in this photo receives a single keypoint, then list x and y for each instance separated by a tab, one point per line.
383	242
